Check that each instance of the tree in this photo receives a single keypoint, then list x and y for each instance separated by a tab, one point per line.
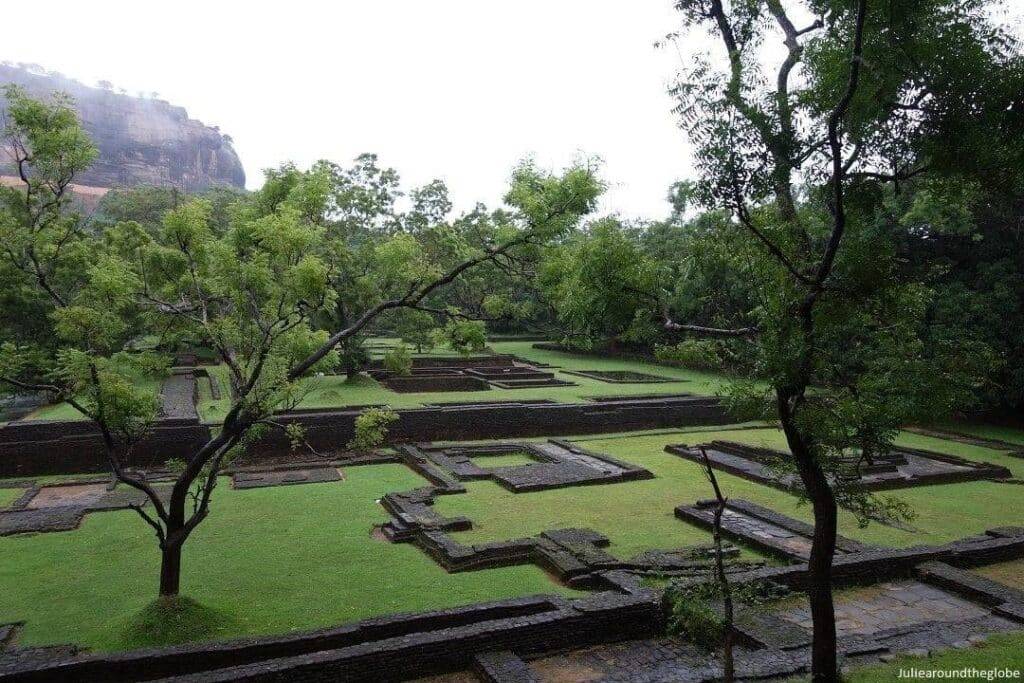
462	336
602	286
808	162
415	328
255	294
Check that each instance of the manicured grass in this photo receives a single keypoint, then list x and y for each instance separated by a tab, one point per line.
1000	652
298	557
208	407
639	515
988	431
57	411
337	390
8	496
65	412
503	460
266	561
1008	573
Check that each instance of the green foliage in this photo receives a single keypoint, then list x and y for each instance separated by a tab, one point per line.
415	328
696	607
601	285
463	336
694	615
108	390
399	361
50	135
702	354
371	428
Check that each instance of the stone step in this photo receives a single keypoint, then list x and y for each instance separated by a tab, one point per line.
503	666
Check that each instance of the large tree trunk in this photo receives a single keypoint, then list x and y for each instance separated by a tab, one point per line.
170	570
823	548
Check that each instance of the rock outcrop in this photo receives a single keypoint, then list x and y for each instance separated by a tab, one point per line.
141	141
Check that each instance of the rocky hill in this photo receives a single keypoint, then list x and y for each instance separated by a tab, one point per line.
141	141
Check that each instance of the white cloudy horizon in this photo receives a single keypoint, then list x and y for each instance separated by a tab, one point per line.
449	89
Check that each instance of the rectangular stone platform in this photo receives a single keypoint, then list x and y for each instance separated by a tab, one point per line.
903	468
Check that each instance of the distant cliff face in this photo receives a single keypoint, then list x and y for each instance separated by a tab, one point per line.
140	141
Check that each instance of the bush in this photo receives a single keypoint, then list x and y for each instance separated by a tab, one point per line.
371	428
699	354
696	608
398	360
695	615
463	336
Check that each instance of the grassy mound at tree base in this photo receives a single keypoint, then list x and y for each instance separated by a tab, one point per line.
171	621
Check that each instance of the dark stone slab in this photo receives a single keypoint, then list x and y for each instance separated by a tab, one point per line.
40	521
763	528
556	464
392	648
503	667
178	397
252	480
903	468
57	447
968	584
49	511
622	376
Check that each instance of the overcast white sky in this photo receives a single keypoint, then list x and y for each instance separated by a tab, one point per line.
455	89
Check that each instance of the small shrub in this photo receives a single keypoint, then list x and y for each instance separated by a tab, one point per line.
696	608
371	428
463	336
699	354
695	615
399	361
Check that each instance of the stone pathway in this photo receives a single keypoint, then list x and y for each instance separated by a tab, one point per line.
558	464
254	480
800	546
763	528
178	397
866	611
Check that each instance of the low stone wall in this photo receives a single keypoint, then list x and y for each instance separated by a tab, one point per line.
491	361
328	430
42	447
996	545
423	383
390	648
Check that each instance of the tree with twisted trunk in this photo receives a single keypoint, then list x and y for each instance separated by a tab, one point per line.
810	143
257	292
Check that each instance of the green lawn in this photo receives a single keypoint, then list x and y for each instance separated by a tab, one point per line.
335	390
299	557
1000	652
8	496
273	560
64	411
988	431
639	515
